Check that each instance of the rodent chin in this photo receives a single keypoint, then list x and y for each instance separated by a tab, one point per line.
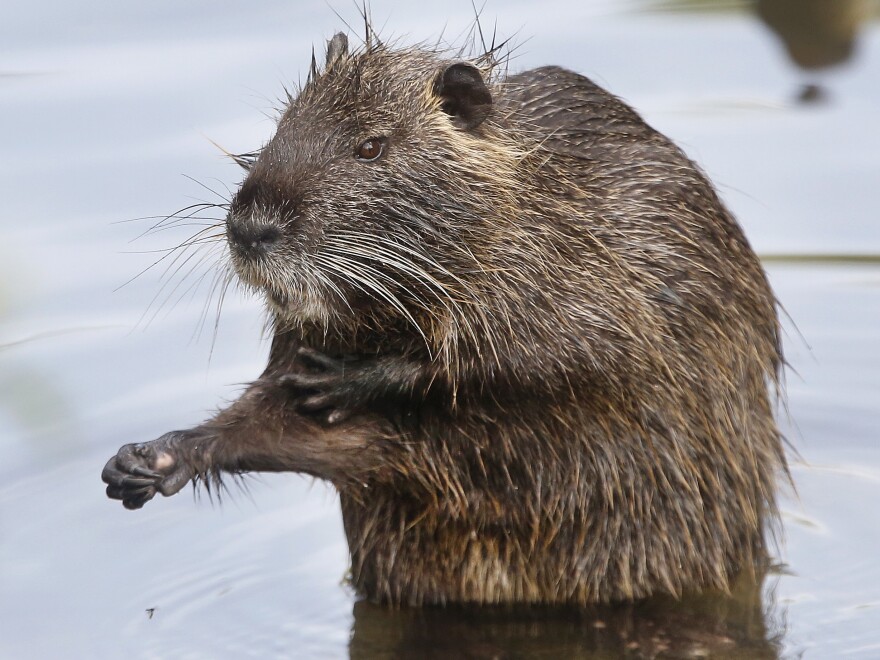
293	295
305	306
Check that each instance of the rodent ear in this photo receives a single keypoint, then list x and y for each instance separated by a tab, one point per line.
337	48
463	94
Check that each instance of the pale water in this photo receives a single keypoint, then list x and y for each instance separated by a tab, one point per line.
106	108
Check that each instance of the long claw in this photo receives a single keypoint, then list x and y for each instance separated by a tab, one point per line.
316	403
317	359
306	381
145	472
135	482
338	416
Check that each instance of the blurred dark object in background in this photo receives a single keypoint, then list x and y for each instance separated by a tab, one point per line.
812	93
816	33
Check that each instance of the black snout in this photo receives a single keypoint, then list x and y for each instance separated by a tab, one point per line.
251	238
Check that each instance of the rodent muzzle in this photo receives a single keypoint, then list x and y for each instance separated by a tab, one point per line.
252	240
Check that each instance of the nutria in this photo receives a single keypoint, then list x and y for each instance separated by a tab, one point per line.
514	326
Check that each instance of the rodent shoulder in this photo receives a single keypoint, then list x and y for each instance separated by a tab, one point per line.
572	109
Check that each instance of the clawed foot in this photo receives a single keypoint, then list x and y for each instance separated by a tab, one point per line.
325	385
139	471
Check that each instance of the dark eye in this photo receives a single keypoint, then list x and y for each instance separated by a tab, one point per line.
371	149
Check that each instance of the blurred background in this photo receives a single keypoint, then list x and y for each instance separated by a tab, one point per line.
108	115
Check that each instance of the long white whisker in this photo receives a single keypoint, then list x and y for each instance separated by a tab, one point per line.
357	244
363	276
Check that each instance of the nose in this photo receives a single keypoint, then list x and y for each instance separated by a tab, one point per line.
250	238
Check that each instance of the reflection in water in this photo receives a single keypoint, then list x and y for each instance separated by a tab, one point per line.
31	398
817	33
704	625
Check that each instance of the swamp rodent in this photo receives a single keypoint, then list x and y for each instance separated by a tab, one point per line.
514	327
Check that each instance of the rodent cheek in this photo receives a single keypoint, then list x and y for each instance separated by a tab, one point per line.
306	231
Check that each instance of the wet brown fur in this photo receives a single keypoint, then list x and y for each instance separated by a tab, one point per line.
566	349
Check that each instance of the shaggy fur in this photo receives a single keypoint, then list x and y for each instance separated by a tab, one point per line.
528	344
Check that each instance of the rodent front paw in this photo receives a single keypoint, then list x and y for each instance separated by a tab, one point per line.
322	384
140	470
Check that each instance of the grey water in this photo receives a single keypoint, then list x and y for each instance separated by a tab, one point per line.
109	112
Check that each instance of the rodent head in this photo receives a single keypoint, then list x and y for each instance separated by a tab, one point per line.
376	182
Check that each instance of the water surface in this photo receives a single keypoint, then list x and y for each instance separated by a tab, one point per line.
106	106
